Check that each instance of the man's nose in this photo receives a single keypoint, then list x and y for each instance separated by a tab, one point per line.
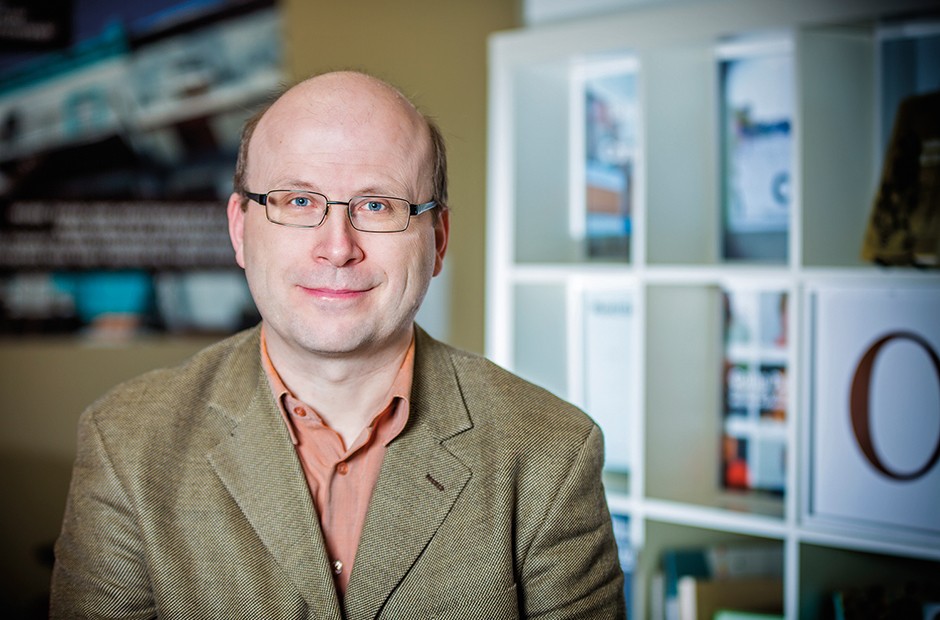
337	240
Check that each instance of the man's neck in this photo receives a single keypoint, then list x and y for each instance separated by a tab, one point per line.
345	390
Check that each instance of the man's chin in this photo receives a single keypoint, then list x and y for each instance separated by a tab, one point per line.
358	344
340	345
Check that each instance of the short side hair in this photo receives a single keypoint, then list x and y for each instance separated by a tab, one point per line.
438	155
438	163
241	163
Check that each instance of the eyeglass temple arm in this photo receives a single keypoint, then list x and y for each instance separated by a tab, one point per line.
419	209
261	199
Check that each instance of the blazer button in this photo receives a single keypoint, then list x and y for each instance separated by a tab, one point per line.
342	468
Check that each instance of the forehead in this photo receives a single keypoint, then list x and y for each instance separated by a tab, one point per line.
342	126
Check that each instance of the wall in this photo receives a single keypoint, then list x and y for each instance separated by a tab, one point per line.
44	385
435	51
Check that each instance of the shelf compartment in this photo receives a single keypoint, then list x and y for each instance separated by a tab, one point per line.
825	570
574	199
679	96
652	585
683	425
836	129
576	336
540	341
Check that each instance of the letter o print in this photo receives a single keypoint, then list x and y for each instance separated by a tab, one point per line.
859	405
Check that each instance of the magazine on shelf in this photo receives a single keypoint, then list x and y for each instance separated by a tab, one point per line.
757	150
608	369
755	390
602	203
625	553
875	394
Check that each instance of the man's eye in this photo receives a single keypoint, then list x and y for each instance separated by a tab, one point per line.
301	201
374	206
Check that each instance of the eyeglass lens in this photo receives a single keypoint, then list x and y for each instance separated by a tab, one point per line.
366	213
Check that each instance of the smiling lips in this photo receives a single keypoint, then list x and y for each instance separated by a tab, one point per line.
334	293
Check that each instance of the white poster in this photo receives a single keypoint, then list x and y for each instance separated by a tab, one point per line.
608	315
876	408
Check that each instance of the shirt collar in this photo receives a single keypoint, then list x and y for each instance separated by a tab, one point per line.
400	390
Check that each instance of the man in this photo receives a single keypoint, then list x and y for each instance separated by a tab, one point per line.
337	462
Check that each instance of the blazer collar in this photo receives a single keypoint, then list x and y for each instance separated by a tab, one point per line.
257	464
420	481
436	398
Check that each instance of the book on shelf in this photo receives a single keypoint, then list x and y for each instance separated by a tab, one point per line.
718	563
757	102
753	449
657	602
915	600
703	599
731	614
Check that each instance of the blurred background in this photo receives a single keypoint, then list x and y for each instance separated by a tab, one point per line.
119	124
679	323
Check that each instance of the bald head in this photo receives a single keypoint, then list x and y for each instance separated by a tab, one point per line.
353	105
347	95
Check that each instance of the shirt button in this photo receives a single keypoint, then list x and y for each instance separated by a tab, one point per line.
300	411
337	567
342	469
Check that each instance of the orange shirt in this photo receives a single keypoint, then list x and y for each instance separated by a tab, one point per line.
341	479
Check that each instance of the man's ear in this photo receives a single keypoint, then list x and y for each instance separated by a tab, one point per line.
441	235
236	226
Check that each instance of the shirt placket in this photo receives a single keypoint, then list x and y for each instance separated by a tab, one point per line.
337	493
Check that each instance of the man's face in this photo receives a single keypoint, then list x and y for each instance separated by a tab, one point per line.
333	290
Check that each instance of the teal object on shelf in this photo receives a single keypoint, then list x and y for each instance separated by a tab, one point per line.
99	293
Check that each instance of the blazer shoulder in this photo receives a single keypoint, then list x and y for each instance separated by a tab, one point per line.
496	397
225	371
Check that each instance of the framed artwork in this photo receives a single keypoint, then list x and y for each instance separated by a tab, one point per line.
875	408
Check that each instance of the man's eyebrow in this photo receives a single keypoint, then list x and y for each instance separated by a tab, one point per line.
365	190
374	190
295	184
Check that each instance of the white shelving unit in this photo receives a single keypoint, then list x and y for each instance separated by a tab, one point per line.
537	274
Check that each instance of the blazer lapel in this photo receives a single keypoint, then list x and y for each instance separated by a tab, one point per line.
419	484
258	466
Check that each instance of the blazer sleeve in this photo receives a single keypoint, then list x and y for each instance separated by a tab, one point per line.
100	569
571	569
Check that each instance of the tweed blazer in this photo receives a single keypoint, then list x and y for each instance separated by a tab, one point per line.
188	501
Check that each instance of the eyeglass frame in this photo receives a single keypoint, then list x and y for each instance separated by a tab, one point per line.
414	209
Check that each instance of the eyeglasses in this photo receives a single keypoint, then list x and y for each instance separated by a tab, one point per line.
303	209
